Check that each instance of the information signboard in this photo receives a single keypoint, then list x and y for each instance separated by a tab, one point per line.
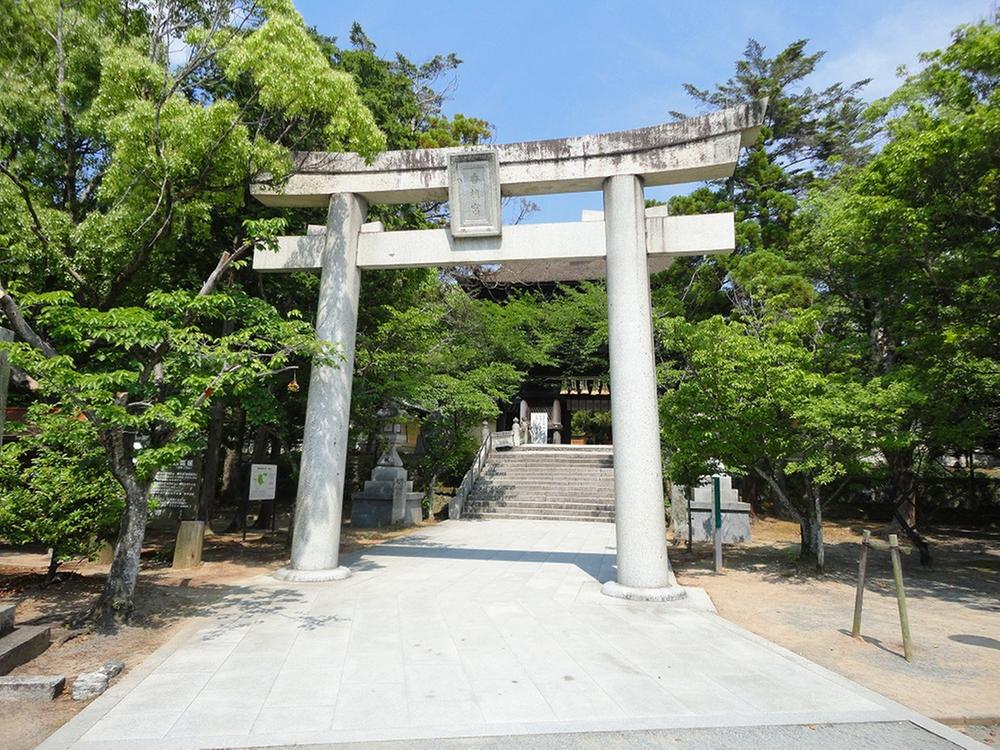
176	486
263	481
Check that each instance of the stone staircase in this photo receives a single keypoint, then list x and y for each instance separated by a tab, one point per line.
553	482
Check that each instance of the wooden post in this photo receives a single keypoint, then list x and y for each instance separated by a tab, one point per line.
904	620
866	537
190	538
717	513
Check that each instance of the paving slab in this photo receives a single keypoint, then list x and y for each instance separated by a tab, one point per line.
884	735
494	630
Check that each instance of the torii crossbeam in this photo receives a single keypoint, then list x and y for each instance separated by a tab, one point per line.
625	244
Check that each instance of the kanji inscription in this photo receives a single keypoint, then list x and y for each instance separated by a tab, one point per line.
474	194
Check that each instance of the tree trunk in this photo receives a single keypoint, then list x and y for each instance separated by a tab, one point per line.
430	495
903	485
807	538
210	466
115	604
818	549
232	475
53	566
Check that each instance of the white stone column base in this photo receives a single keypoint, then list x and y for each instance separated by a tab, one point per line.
312	576
638	594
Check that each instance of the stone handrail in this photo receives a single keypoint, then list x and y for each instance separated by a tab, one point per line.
469	480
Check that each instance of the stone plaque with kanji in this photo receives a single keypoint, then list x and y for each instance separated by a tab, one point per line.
474	194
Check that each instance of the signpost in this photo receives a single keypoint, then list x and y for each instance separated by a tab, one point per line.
263	481
263	488
717	513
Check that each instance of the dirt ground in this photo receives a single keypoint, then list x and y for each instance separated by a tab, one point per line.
954	611
166	599
953	608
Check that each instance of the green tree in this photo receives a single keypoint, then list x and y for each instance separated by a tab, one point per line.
807	135
56	489
906	252
118	166
748	399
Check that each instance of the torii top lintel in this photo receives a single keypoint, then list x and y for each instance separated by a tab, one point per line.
689	150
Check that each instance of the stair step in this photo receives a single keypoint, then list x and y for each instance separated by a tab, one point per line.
576	507
540	517
22	645
546	482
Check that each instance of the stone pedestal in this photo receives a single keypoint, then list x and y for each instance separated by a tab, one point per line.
388	497
735	514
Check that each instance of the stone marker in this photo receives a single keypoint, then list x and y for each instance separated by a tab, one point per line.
21	687
187	550
735	513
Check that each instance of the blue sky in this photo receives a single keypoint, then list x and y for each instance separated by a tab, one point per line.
548	69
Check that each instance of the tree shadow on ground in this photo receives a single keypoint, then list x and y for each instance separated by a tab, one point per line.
975	640
417	546
872	641
966	567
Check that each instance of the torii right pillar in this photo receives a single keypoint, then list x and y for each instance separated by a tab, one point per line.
640	522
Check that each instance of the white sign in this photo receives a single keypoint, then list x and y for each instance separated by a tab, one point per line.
263	481
539	427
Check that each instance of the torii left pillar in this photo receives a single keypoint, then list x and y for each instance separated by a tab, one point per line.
323	472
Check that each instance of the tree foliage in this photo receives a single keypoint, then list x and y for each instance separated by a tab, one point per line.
856	328
121	235
57	489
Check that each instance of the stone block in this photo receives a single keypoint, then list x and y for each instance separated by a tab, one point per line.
89	685
22	645
735	514
112	668
387	498
735	523
21	687
7	619
388	473
190	539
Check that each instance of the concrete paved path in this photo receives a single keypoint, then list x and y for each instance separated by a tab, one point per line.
470	629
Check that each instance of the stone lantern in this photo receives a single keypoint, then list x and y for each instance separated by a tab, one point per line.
388	497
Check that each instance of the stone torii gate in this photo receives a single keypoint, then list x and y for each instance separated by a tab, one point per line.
626	244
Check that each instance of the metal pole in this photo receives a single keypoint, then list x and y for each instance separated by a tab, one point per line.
897	573
866	537
717	535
